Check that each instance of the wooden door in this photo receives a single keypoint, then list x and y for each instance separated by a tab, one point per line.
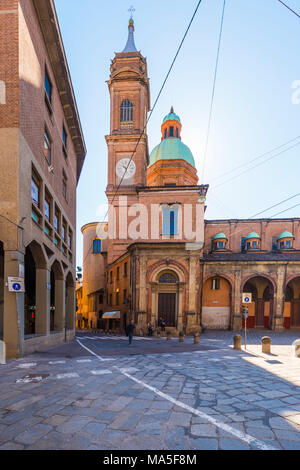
167	308
259	314
295	317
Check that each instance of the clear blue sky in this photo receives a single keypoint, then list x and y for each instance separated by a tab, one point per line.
253	110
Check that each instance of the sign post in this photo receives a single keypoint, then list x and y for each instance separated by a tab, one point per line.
247	299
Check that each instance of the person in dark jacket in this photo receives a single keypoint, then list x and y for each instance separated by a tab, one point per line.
130	330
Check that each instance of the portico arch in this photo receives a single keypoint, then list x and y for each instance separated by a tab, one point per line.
70	302
292	304
57	295
37	299
261	309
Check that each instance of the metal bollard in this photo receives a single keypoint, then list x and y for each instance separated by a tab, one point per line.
169	335
181	337
237	342
266	345
196	338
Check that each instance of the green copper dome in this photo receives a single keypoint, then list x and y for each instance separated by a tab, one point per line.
171	116
252	235
220	236
171	149
286	234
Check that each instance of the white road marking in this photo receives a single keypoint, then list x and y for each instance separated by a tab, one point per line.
114	338
131	370
225	427
27	365
83	360
56	362
92	352
28	380
70	375
101	372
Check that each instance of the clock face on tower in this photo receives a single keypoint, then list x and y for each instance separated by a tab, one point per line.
125	168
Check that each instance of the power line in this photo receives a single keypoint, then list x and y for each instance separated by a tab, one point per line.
289	8
278	213
279	204
151	112
255	166
213	92
255	159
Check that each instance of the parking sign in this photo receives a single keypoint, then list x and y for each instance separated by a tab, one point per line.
247	298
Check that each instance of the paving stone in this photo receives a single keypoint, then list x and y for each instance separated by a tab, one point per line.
94	428
55	420
290	445
119	404
280	423
204	430
20	405
283	434
34	433
294	419
204	444
180	419
125	421
11	446
260	432
232	444
73	424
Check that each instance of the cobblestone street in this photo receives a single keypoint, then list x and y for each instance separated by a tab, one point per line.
97	393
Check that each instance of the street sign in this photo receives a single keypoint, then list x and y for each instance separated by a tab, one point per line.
16	284
247	298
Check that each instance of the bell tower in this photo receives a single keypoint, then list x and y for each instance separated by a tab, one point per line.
129	106
130	103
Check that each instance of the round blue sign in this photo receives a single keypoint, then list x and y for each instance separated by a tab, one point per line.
247	299
16	286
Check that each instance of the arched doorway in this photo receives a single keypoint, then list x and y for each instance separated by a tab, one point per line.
167	298
30	293
292	304
260	311
70	302
216	303
56	297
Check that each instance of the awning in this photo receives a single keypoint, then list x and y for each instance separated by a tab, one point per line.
111	315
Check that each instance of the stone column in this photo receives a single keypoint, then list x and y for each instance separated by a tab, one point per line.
236	301
13	318
193	292
277	322
43	288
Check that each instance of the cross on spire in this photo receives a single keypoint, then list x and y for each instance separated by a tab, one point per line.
131	11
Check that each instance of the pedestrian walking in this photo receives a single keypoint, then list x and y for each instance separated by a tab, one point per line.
163	325
150	329
130	330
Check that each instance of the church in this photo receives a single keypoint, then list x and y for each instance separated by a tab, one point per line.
157	257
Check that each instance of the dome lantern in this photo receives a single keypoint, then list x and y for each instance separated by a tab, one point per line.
171	126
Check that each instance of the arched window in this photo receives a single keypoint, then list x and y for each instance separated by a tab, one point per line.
170	221
126	111
167	278
96	246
